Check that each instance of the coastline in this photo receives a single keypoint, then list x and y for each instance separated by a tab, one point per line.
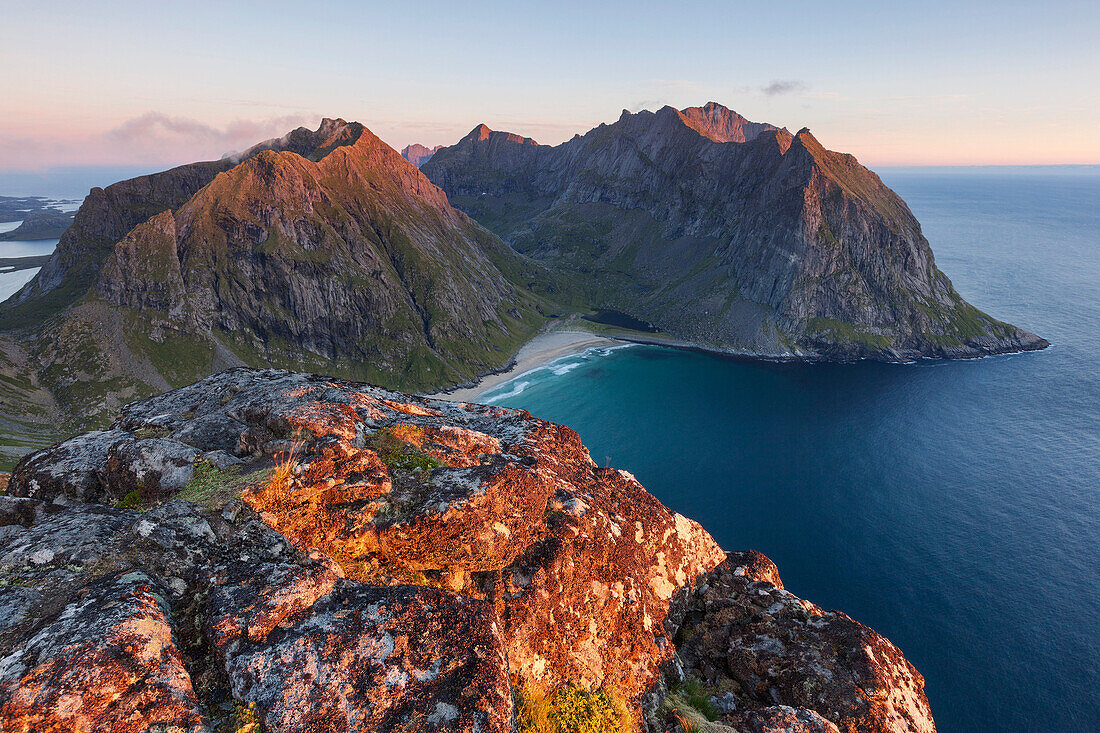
539	351
565	338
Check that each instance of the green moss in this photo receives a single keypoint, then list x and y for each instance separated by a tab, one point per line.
400	454
212	488
132	500
844	332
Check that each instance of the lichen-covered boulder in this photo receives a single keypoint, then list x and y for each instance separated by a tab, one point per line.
315	652
350	558
579	563
67	472
773	648
108	662
785	719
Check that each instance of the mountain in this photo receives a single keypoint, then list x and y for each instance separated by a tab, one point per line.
726	233
322	249
418	154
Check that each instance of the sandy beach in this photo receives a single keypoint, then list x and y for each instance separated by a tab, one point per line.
544	348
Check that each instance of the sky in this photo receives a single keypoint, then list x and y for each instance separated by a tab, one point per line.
917	83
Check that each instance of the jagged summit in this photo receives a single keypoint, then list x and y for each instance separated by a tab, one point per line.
482	133
726	233
418	154
723	125
312	144
323	248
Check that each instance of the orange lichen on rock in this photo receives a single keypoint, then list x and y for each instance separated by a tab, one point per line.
409	566
108	663
326	418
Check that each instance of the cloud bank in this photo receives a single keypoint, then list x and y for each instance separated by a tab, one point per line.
149	139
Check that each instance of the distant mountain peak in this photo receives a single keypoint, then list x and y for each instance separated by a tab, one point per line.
313	144
483	132
721	124
418	154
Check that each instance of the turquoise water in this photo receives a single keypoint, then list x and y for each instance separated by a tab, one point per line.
952	506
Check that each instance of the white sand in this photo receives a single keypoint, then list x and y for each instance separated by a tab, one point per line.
545	347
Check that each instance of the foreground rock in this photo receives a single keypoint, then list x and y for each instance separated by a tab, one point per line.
107	662
364	560
318	653
743	632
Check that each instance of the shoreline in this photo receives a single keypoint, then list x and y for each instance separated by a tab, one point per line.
561	341
539	351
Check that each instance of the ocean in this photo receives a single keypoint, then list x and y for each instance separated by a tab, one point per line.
952	506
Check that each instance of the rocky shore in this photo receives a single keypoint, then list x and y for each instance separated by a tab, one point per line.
268	550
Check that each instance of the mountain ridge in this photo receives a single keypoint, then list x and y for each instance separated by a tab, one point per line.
323	248
774	246
418	154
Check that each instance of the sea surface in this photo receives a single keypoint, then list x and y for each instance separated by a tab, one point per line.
952	506
12	280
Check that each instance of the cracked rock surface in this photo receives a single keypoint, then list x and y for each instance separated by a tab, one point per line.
342	557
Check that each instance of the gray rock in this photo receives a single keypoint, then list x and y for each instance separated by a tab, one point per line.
108	662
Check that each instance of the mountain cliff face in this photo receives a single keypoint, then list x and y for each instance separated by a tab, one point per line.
309	554
418	154
726	233
323	248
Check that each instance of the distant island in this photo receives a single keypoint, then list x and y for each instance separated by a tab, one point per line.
38	217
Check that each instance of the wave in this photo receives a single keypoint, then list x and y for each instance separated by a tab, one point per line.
556	368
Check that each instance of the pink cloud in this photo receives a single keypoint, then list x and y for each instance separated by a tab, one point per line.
149	139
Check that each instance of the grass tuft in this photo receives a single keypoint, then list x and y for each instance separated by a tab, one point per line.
285	463
212	488
695	694
397	448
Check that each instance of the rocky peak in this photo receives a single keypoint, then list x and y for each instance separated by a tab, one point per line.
312	144
721	124
481	133
418	154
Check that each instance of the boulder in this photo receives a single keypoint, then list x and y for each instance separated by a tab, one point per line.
108	662
315	652
784	719
773	648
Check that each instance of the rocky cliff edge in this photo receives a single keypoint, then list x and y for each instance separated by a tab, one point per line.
266	550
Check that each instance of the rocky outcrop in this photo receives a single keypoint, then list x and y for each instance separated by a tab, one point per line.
315	652
360	559
418	154
727	233
743	632
107	662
